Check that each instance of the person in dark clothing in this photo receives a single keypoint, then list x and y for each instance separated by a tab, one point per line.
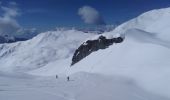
56	76
68	78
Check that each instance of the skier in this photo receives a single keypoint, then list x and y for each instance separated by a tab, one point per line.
68	78
56	76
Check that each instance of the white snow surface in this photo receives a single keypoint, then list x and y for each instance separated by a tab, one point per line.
154	21
136	69
82	86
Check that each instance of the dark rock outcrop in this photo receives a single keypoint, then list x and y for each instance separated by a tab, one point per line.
93	45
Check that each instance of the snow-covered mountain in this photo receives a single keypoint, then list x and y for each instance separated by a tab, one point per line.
41	50
150	29
136	69
144	55
155	21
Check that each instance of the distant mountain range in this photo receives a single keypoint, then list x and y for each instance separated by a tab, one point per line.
28	34
10	39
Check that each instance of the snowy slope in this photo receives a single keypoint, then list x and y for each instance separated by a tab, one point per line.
83	86
155	21
41	50
147	63
144	56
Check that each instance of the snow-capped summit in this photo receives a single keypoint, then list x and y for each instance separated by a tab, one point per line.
155	21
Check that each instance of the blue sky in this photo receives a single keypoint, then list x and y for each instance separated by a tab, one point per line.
48	14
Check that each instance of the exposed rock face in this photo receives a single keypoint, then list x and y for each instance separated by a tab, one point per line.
93	45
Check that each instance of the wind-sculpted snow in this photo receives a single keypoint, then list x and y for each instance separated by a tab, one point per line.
155	21
143	36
